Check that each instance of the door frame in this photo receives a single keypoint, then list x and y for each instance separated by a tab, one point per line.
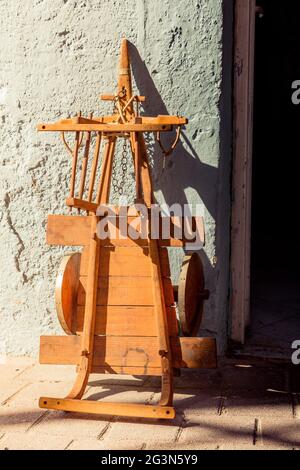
243	90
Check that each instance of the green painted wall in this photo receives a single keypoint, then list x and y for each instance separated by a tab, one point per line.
56	57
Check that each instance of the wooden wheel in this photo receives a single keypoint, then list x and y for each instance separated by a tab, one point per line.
191	294
66	291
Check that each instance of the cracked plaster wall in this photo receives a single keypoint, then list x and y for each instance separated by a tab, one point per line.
56	56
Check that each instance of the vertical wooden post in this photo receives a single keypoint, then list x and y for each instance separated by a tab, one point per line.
94	166
106	170
74	164
242	167
137	164
84	165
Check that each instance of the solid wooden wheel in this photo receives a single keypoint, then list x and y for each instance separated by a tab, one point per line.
191	294
66	291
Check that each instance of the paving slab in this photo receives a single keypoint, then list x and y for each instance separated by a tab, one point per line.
201	430
239	406
35	441
254	404
280	432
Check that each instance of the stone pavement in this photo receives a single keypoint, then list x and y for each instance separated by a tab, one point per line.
241	405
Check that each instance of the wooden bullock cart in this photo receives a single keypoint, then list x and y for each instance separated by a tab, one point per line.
114	299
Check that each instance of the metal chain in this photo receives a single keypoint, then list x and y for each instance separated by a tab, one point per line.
118	185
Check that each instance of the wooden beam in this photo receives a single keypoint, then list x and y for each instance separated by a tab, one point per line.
123	261
74	231
105	128
124	290
102	408
124	351
125	320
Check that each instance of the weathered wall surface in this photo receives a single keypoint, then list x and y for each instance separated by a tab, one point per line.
56	56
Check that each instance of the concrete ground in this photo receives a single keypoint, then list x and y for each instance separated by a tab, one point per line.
241	405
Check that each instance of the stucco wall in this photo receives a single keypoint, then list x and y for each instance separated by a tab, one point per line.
56	56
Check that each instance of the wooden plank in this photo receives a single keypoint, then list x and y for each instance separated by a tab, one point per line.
108	128
74	231
102	408
123	352
121	290
125	261
59	349
126	321
68	230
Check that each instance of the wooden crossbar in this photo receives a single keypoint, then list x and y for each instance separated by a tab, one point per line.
114	409
109	128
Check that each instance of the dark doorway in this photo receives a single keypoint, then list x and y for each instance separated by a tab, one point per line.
275	259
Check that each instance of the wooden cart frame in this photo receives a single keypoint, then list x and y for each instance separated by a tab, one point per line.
115	299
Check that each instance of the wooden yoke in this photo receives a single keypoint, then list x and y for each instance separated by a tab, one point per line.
115	299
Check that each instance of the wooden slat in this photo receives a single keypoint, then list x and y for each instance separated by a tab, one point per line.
109	128
68	230
160	119
123	352
120	290
126	321
102	408
125	261
59	349
81	204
